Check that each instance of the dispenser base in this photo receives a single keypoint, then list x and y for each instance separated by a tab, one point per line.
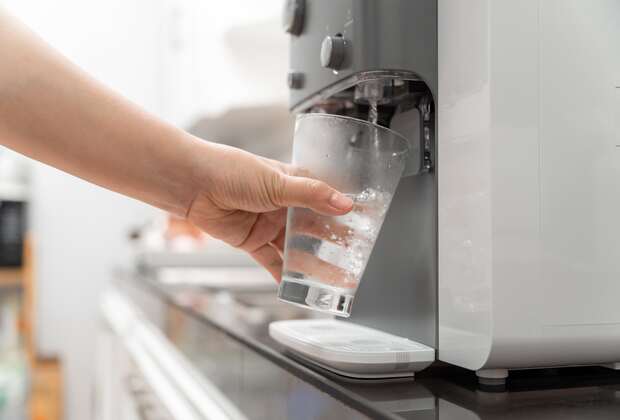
352	350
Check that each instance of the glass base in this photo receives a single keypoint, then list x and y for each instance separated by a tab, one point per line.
316	297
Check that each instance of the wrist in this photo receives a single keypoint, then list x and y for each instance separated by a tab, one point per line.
199	159
173	169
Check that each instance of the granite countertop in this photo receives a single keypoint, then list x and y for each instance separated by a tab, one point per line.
232	348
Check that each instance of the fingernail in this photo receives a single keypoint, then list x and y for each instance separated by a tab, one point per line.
340	201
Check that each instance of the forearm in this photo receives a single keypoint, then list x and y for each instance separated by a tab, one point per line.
53	112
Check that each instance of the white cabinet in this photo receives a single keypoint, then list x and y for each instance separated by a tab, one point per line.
142	375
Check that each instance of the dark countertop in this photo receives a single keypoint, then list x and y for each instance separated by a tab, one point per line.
233	350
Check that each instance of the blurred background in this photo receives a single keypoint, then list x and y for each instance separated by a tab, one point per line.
200	64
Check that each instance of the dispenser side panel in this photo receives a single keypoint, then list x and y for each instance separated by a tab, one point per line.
515	174
569	312
528	149
580	160
464	182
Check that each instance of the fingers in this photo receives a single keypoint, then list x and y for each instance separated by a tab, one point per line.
265	229
278	242
268	257
313	194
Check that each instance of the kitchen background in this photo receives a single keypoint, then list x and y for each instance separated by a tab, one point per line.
200	64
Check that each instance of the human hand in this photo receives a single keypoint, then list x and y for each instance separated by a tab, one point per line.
242	198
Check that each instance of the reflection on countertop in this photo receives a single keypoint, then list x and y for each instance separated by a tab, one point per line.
225	337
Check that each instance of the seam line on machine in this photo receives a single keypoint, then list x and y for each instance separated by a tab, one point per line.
540	151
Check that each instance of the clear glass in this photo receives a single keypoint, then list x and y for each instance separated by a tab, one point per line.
325	257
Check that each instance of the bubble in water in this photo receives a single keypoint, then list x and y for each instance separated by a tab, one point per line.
347	243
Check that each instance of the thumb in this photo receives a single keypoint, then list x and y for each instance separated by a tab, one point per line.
313	194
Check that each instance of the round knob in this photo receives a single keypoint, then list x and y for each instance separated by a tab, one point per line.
293	16
295	80
332	52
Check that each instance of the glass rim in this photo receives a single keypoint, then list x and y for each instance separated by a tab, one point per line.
357	120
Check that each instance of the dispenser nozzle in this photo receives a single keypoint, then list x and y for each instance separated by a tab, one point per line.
381	91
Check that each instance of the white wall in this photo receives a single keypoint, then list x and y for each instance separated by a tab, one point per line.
221	55
80	229
177	58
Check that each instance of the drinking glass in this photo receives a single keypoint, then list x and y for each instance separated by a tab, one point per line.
325	256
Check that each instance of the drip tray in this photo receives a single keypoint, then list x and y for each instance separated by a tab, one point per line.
352	350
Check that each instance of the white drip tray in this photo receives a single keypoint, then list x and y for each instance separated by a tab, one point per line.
352	350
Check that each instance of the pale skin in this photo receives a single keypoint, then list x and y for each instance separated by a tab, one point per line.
53	112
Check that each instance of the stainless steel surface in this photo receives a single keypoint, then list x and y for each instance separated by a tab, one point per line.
381	35
388	75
